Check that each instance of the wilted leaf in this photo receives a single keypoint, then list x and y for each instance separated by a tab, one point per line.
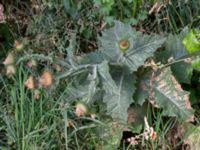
194	139
170	96
136	116
111	135
179	131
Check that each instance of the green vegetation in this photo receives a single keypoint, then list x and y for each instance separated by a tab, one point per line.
99	74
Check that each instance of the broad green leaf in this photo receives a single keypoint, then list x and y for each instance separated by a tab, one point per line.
170	96
175	50
118	91
183	33
182	71
123	45
196	63
91	58
192	41
109	41
142	91
144	47
84	87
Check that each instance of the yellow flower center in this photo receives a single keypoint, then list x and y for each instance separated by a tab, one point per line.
124	45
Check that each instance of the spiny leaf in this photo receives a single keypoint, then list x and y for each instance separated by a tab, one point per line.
71	50
143	47
176	50
84	87
118	93
134	49
165	92
91	58
109	41
170	96
142	91
182	71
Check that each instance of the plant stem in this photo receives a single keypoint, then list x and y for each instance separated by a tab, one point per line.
65	128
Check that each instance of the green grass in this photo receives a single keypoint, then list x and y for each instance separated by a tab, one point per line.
50	123
43	124
29	123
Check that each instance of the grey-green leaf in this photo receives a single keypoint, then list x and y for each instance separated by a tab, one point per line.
142	91
175	49
144	47
138	48
84	87
71	50
118	93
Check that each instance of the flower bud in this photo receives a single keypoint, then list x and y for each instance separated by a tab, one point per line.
32	63
9	59
81	109
93	116
30	82
10	70
37	94
124	45
46	79
18	45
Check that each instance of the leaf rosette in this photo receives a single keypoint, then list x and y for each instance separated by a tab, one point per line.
125	46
